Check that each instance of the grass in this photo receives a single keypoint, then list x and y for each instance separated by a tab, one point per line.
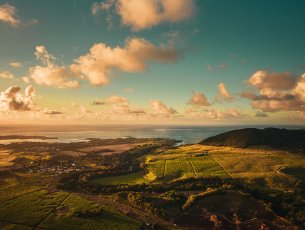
8	226
177	169
16	191
157	168
63	217
43	209
185	166
207	161
206	166
134	178
188	161
30	209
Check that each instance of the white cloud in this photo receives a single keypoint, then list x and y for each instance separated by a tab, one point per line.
224	94
198	99
7	75
16	64
13	99
141	15
115	99
50	74
214	114
97	65
160	109
276	91
8	14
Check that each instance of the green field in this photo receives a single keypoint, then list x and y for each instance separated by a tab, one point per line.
134	178
42	209
63	218
183	167
204	161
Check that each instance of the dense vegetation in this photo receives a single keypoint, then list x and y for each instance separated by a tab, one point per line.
271	137
153	181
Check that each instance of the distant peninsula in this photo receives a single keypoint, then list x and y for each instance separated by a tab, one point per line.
283	139
21	137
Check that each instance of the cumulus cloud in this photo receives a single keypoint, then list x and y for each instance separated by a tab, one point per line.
97	65
214	114
8	15
198	99
16	64
13	99
223	95
160	109
141	15
115	99
276	91
51	74
7	75
270	84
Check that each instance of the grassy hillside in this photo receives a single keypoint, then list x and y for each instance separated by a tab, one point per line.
270	137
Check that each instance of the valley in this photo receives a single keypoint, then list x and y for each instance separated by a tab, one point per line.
150	183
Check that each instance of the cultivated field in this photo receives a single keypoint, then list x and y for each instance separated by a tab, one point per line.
206	161
53	187
32	207
183	167
134	178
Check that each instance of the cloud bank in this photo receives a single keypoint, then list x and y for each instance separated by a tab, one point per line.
97	65
13	99
141	15
276	91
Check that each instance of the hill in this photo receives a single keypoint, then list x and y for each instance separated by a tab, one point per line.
269	137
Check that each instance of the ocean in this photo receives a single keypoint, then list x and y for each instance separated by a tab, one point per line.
187	134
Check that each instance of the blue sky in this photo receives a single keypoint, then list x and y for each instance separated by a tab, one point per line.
217	42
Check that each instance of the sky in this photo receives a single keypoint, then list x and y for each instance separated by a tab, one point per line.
200	62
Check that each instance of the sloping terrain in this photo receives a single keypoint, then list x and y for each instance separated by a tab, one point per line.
269	137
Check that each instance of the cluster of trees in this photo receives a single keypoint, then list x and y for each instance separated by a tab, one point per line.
138	199
290	205
93	212
272	137
193	198
190	184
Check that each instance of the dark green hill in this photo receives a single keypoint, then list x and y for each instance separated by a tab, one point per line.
269	137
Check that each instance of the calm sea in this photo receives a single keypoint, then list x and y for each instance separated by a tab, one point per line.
187	134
